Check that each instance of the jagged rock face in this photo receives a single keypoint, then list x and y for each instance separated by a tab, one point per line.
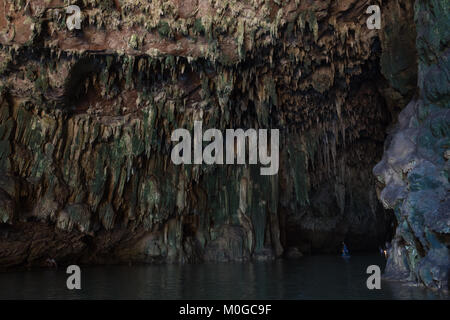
414	171
86	119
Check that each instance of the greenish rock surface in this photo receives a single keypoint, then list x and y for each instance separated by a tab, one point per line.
414	172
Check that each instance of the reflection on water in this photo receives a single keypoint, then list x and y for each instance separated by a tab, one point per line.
316	277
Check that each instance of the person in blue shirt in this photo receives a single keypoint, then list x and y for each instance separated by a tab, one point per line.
345	251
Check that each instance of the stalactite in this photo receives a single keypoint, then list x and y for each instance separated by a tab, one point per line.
102	149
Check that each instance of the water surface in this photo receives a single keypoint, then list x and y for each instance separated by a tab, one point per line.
313	277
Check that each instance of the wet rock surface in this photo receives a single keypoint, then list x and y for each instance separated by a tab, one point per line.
413	173
87	115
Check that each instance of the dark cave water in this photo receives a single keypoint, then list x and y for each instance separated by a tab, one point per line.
312	277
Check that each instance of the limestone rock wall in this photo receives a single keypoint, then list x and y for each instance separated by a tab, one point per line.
414	172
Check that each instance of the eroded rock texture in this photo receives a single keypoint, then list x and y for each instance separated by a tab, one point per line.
414	172
86	119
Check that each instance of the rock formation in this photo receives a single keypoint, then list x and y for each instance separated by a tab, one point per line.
414	172
86	119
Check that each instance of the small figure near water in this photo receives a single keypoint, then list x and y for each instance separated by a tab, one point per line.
383	252
345	252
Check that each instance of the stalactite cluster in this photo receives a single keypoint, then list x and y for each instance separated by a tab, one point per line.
87	115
